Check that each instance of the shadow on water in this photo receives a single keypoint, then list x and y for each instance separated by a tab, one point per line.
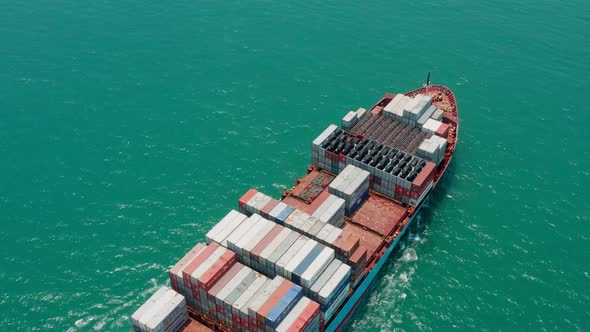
421	222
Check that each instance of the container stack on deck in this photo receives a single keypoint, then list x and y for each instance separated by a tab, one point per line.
165	310
231	293
393	170
274	251
352	184
394	147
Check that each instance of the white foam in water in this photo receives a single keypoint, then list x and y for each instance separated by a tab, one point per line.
410	255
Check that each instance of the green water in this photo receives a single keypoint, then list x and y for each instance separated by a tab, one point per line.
128	128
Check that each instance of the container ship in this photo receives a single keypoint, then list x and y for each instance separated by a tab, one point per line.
303	262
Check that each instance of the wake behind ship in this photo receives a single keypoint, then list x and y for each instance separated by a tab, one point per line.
302	263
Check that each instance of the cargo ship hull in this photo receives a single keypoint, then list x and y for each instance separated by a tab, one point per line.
305	262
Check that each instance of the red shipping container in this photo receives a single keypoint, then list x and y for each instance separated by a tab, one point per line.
196	262
216	270
182	264
266	240
307	316
358	259
268	207
346	244
443	130
247	196
423	178
272	301
399	189
311	208
219	285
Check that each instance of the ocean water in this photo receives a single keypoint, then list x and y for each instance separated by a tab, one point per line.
128	128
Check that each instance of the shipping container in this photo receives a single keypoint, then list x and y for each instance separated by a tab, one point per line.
222	229
164	310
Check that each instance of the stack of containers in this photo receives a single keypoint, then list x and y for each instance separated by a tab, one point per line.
244	244
332	211
222	229
240	308
268	308
331	288
175	273
228	292
314	228
306	265
433	149
388	110
305	316
414	109
270	255
360	113
431	126
256	203
280	213
437	115
165	310
267	209
352	184
427	114
397	110
211	309
349	120
392	169
422	184
357	262
203	271
317	153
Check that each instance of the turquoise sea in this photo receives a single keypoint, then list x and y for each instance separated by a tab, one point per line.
128	128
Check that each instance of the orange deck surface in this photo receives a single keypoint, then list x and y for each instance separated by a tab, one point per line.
194	326
368	239
379	214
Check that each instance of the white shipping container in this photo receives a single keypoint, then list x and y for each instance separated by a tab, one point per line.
323	278
325	232
169	314
289	254
437	115
282	249
360	113
299	257
262	296
247	295
237	246
255	199
257	236
336	304
389	107
317	226
235	288
214	257
149	306
227	225
240	231
155	309
317	267
431	126
342	275
322	137
331	237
